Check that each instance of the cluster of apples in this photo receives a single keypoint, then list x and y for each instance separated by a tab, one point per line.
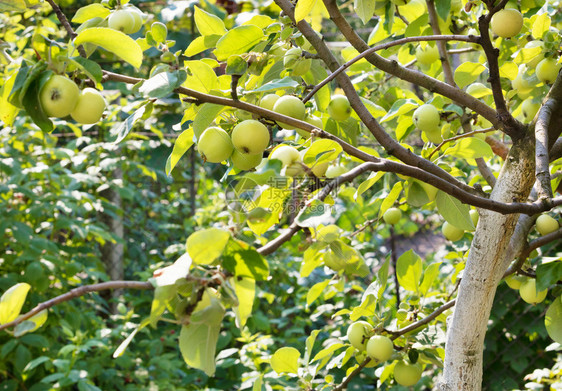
427	119
61	97
527	288
127	20
380	348
454	233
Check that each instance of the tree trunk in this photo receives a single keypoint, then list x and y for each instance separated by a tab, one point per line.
484	269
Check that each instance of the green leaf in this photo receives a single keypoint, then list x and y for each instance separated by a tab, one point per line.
245	289
278	84
31	324
11	302
162	295
375	110
198	339
366	309
123	129
8	111
90	68
366	185
314	214
244	261
285	360
182	144
429	275
409	271
443	8
315	291
312	259
548	273
113	41
391	198
201	77
310	345
162	84
416	195
239	40
303	9
12	5
236	65
208	24
90	11
541	25
400	107
33	107
328	351
322	150
201	44
553	320
36	362
205	246
205	117
468	72
453	211
365	9
470	148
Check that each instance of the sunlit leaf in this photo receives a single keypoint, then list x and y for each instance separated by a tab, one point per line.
239	40
453	211
409	271
553	320
285	360
113	41
245	289
12	301
207	245
468	72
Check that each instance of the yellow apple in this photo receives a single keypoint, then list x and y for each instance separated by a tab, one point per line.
339	108
290	106
528	292
250	136
392	216
427	55
122	20
407	374
380	348
546	224
215	145
358	334
268	101
547	70
58	97
426	118
507	23
451	232
244	161
89	108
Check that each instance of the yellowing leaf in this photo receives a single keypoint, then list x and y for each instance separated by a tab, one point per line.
113	41
202	78
239	40
11	302
409	271
90	11
285	360
468	72
303	8
207	245
245	289
541	25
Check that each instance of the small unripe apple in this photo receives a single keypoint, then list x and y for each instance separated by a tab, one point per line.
291	57
59	96
122	20
507	23
215	145
529	109
335	171
547	70
451	232
250	136
426	118
290	159
427	55
89	108
339	108
546	224
301	67
407	374
244	161
290	106
477	90
392	216
528	292
268	101
380	348
515	281
358	334
138	18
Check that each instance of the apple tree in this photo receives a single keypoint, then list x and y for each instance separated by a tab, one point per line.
333	124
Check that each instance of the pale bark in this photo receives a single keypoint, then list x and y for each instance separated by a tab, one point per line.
484	269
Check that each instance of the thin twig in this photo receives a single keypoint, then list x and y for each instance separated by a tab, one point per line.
66	24
464	135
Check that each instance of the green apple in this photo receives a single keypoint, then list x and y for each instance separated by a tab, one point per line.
290	159
215	145
291	57
250	136
477	90
59	96
426	118
89	108
456	6
319	169
138	18
314	121
380	348
547	70
358	334
515	281
407	374
474	216
546	224
529	109
507	23
523	82
392	216
122	20
268	101
451	232
335	171
244	161
427	55
339	108
290	106
528	292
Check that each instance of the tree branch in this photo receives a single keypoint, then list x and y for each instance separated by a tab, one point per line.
464	135
64	21
441	45
424	321
542	172
77	292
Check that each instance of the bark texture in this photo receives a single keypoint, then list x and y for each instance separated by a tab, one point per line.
484	269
